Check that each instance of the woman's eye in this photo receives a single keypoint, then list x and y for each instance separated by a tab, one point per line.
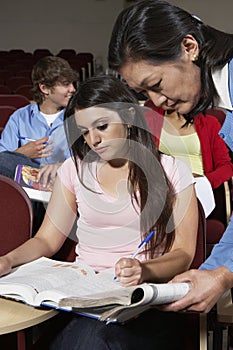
155	87
102	127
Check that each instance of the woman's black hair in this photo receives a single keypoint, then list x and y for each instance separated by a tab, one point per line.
153	30
146	173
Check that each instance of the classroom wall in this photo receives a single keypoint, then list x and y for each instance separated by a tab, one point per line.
84	25
215	13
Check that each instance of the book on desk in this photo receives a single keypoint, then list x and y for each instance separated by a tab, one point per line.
26	176
76	287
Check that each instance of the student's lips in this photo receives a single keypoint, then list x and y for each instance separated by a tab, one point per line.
100	150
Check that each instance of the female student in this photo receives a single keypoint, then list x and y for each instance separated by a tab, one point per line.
198	144
122	189
183	64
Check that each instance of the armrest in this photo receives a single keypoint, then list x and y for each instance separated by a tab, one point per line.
225	308
228	195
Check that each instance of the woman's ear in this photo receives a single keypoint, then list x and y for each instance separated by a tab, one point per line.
190	47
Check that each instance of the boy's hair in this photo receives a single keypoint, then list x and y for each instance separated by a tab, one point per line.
50	71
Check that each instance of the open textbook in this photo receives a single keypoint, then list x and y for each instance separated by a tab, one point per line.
76	287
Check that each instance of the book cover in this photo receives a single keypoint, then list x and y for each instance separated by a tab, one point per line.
76	287
26	176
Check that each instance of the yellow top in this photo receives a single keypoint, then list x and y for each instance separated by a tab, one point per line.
186	148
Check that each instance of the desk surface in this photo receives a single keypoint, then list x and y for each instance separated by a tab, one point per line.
41	196
15	316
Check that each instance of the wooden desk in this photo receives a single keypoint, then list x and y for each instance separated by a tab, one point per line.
15	316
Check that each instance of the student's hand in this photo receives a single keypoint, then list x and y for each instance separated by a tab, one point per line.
5	265
37	149
206	289
47	175
128	271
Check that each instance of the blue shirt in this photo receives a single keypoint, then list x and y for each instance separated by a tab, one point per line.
29	122
222	254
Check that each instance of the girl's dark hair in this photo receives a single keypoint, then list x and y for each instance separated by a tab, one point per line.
153	30
146	173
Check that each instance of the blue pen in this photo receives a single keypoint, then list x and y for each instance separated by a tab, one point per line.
141	246
29	139
143	243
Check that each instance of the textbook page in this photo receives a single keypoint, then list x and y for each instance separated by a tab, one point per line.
120	306
76	287
56	279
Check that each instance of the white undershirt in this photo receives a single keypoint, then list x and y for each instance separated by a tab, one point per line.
50	117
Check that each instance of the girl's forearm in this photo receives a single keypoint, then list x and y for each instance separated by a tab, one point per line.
165	267
32	249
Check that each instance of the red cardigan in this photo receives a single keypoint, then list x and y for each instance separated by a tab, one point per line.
217	164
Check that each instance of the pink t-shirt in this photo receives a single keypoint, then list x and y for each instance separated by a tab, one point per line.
108	228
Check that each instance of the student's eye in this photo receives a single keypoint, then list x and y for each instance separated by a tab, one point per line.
67	83
102	127
155	87
83	132
142	93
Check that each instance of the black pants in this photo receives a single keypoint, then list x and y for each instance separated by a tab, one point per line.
153	330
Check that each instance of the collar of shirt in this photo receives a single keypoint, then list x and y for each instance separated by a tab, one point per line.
220	78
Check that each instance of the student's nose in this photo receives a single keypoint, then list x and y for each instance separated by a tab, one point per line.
71	87
95	137
157	98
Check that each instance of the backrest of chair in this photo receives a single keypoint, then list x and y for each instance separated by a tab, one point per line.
14	100
5	113
66	53
200	254
67	251
14	82
4	89
16	215
221	203
217	221
218	113
25	90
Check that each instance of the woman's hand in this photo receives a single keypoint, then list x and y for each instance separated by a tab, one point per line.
128	271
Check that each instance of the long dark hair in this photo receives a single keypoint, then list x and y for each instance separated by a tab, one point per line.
146	174
153	31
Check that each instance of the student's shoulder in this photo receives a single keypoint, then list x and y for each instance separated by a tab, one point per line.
68	168
207	119
25	110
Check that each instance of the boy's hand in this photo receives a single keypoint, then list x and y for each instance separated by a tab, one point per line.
37	149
